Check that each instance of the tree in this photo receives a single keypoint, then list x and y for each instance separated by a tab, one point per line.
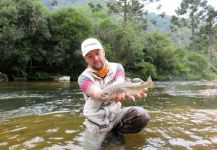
68	28
210	19
23	27
159	51
95	7
194	9
130	10
34	42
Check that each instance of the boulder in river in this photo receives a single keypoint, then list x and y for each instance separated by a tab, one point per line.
3	77
208	92
64	78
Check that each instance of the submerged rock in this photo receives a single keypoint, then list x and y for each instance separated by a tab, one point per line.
64	78
3	77
208	92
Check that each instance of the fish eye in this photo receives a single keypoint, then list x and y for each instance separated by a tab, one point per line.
105	94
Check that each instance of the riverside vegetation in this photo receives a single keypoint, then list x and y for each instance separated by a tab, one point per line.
39	43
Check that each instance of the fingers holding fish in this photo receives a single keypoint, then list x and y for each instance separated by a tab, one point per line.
145	90
143	93
118	97
127	96
130	97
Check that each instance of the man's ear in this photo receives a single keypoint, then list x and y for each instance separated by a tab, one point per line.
103	52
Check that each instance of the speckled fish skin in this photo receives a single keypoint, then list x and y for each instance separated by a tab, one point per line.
129	87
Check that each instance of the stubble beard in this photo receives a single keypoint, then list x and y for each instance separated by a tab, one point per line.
98	65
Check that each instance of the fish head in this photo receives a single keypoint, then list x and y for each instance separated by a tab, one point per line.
105	94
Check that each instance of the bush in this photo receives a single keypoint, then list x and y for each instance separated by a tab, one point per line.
159	50
147	69
40	76
24	28
197	62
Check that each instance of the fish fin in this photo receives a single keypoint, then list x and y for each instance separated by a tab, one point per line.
137	80
149	82
133	98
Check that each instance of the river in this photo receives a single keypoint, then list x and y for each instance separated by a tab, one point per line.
48	116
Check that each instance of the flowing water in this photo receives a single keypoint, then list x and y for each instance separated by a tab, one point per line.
48	116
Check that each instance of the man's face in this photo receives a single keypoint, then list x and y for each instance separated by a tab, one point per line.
95	59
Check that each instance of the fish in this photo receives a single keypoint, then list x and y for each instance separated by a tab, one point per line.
132	88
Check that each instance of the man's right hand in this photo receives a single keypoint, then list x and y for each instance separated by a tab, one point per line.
119	97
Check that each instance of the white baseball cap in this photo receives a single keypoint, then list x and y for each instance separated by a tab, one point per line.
89	45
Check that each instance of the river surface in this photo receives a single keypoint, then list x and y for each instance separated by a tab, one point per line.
48	116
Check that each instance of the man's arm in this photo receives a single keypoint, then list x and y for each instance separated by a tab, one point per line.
89	88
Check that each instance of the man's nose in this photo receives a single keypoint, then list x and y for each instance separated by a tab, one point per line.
96	57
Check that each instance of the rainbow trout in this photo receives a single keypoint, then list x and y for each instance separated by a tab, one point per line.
130	87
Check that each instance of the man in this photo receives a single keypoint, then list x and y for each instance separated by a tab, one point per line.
105	117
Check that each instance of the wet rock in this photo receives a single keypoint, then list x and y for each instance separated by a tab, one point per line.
208	92
64	78
3	77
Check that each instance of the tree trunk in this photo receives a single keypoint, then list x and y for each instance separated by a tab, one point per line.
210	41
193	30
125	12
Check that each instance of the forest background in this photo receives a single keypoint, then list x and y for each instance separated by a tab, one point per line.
40	40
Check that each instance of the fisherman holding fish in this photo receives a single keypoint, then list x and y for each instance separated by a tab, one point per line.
105	119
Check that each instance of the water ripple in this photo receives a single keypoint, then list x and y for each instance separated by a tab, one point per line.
184	129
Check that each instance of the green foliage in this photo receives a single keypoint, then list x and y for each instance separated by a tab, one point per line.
159	50
23	27
39	76
68	27
191	65
181	66
196	62
38	43
130	11
126	46
103	26
32	40
194	10
95	8
146	69
207	35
